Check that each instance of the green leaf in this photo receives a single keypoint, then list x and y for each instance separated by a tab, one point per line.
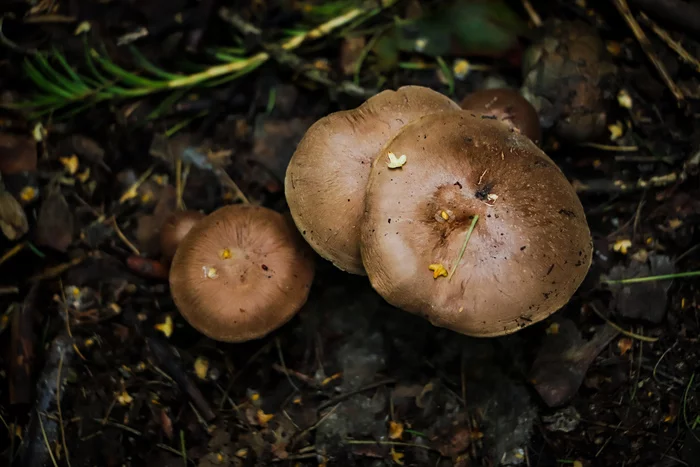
475	27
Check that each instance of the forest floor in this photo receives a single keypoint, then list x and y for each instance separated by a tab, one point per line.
118	101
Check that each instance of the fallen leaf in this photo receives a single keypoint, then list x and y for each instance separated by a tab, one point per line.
13	220
55	226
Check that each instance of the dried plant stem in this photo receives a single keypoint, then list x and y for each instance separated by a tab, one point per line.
663	277
532	13
261	57
675	45
464	246
643	40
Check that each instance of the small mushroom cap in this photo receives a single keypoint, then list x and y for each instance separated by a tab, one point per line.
240	273
528	253
507	106
174	229
327	175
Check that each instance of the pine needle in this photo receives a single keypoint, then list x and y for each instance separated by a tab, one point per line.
464	246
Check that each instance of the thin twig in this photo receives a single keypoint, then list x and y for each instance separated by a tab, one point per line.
609	147
675	45
662	277
532	13
464	245
58	409
46	440
623	331
123	238
643	40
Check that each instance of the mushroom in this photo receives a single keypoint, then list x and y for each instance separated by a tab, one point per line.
567	74
174	229
327	175
525	254
507	106
240	273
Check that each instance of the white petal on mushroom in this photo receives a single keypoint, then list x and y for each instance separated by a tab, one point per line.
210	273
396	162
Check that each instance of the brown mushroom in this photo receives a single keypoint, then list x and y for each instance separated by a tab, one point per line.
240	273
529	249
507	106
174	229
327	175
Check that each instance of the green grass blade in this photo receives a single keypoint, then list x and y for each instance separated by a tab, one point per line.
123	75
147	65
449	76
43	83
77	79
167	103
56	77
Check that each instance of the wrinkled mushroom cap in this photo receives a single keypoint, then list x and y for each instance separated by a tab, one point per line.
507	106
174	229
327	175
530	248
240	273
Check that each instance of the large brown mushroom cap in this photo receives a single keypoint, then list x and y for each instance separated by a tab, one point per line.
530	248
240	273
507	106
327	175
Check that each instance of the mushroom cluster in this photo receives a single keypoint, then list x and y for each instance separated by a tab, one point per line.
453	213
238	273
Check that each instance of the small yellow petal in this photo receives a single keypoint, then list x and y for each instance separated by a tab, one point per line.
624	99
396	162
124	398
70	164
438	270
621	246
395	430
553	329
27	194
263	417
166	327
396	456
616	131
225	254
201	367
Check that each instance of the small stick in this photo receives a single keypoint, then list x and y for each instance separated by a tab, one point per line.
172	366
675	45
464	245
610	147
626	13
123	238
41	436
532	13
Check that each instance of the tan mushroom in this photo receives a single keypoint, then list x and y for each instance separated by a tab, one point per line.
507	106
240	273
327	175
174	229
529	249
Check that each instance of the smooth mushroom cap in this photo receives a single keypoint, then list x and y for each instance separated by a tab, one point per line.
507	106
327	175
174	229
240	273
528	253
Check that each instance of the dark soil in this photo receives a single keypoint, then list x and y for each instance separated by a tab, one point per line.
97	368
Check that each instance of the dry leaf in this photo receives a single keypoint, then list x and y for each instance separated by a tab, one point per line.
55	225
13	220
